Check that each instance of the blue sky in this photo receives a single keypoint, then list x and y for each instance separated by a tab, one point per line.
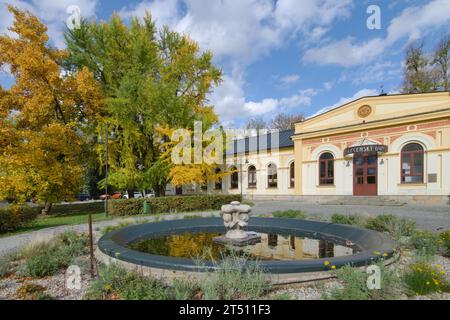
293	56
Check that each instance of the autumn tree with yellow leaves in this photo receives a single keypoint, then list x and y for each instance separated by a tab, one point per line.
45	116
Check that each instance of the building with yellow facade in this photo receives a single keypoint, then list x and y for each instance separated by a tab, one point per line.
395	146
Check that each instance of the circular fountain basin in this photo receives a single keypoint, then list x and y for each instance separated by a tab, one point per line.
136	247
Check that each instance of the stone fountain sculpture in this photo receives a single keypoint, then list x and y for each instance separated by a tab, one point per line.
235	218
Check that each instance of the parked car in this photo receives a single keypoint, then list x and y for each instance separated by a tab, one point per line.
83	196
136	195
115	195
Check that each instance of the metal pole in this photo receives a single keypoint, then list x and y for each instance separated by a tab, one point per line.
241	182
91	246
106	172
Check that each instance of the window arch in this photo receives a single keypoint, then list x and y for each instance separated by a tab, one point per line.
272	176
292	175
251	177
412	163
326	169
234	178
218	183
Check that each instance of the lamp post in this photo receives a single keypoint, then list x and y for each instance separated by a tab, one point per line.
242	187
106	171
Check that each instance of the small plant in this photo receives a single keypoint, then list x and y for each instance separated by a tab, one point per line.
426	243
114	282
235	279
185	290
347	219
396	227
423	279
289	214
354	285
30	291
444	243
5	264
281	296
46	258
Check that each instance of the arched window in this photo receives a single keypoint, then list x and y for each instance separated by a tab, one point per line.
326	169
252	177
234	178
272	181
412	163
218	184
292	175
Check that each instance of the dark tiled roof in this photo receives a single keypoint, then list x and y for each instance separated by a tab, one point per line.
281	139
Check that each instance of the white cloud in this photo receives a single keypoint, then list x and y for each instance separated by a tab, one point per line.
345	52
230	103
289	79
52	12
374	73
243	30
359	94
413	23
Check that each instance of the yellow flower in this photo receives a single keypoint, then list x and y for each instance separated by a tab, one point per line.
385	254
333	267
326	263
377	252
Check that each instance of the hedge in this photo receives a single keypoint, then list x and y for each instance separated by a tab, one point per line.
15	217
74	208
170	204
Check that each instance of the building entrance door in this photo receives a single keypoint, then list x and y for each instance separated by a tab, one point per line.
365	174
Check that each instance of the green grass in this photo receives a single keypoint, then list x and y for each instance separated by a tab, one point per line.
57	220
289	214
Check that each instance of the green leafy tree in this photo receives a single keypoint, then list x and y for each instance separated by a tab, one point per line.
151	80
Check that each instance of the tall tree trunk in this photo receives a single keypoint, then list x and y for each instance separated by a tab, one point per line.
47	207
130	193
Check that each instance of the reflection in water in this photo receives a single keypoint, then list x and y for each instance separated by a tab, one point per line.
271	247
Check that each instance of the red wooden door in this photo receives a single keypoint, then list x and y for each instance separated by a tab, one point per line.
365	174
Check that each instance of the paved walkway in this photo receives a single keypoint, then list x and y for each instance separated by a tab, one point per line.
426	217
12	243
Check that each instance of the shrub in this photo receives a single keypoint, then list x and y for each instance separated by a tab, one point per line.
14	217
114	282
232	281
425	242
347	219
47	258
396	227
289	214
131	207
422	279
444	243
354	285
74	208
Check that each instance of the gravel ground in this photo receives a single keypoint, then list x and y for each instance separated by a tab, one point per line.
314	290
